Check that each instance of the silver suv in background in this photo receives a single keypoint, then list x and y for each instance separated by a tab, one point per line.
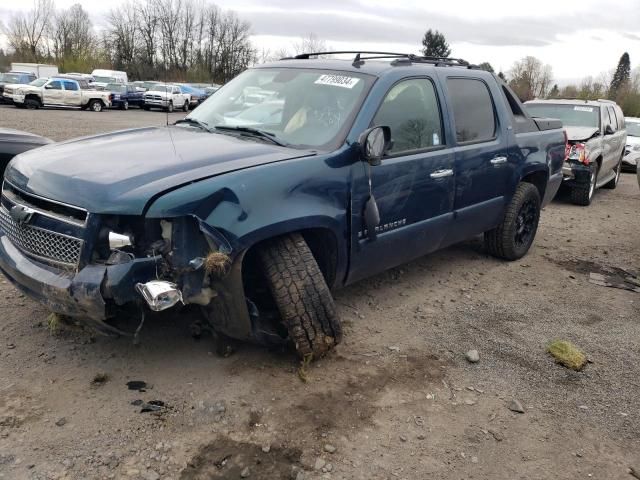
631	157
597	135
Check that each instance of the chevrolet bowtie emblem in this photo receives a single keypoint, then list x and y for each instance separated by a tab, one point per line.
21	214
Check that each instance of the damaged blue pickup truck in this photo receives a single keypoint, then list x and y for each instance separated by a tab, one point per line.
297	177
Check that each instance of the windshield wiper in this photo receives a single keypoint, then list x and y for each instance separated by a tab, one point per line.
196	123
253	131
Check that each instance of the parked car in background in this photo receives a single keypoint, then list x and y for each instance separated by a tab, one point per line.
37	69
59	91
597	137
196	95
125	95
631	158
371	164
103	77
167	97
14	78
14	142
146	84
84	76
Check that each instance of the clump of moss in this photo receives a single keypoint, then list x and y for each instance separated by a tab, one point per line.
304	364
217	263
567	354
54	323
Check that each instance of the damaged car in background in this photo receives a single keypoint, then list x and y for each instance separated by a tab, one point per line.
596	132
360	165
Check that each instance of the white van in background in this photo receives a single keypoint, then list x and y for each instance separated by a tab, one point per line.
39	69
102	77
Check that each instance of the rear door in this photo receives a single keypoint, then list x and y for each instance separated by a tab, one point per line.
619	137
413	186
72	95
484	167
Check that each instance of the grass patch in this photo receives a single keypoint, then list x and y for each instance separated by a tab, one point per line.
54	323
567	354
100	379
302	370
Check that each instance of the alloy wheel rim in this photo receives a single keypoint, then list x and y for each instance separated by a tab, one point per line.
592	184
525	223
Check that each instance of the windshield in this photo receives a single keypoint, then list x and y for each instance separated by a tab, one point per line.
570	115
299	107
104	79
633	129
116	87
39	82
9	78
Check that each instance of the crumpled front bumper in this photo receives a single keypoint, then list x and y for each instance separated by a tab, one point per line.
91	293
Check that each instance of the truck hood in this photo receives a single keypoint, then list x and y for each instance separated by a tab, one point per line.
575	134
120	172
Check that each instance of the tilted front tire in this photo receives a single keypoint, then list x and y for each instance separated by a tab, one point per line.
512	239
613	183
582	195
301	295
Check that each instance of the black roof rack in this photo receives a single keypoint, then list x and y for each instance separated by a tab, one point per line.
398	58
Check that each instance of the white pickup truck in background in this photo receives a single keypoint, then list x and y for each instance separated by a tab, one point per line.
61	92
167	97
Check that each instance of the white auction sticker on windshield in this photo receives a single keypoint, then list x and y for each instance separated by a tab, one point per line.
583	109
337	81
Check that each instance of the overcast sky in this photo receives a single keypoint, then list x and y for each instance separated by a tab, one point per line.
576	37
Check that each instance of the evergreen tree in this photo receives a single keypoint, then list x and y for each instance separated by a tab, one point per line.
435	45
502	76
555	92
621	76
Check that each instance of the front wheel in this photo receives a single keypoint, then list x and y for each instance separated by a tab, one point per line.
31	104
512	239
170	107
301	295
185	107
582	195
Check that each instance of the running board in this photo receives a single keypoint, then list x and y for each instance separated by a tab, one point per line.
606	180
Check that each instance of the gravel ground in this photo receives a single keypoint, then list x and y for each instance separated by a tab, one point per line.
398	399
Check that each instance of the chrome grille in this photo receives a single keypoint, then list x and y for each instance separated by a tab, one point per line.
43	244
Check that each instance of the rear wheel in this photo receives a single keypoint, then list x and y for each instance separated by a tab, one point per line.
95	105
611	185
31	104
582	195
512	239
301	295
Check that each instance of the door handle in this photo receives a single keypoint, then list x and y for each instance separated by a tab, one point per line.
498	160
442	173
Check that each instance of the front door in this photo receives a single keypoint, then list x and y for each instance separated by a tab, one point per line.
413	186
53	93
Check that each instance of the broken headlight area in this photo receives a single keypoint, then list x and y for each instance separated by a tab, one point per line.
188	256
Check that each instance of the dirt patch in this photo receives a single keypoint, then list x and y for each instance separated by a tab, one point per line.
353	403
586	267
226	458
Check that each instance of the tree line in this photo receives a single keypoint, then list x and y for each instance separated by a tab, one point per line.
188	40
530	78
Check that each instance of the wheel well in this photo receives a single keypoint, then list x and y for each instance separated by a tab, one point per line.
323	245
539	180
33	96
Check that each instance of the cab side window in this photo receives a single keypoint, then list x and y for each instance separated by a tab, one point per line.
55	85
613	118
70	85
412	111
473	112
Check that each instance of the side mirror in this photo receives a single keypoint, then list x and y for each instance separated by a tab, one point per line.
374	143
48	87
608	130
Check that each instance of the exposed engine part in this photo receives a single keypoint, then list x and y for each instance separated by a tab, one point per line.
159	294
118	257
118	240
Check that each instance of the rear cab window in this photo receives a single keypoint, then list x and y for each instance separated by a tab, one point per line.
473	111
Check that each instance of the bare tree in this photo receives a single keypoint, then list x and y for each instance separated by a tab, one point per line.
310	43
530	78
122	35
26	31
71	35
